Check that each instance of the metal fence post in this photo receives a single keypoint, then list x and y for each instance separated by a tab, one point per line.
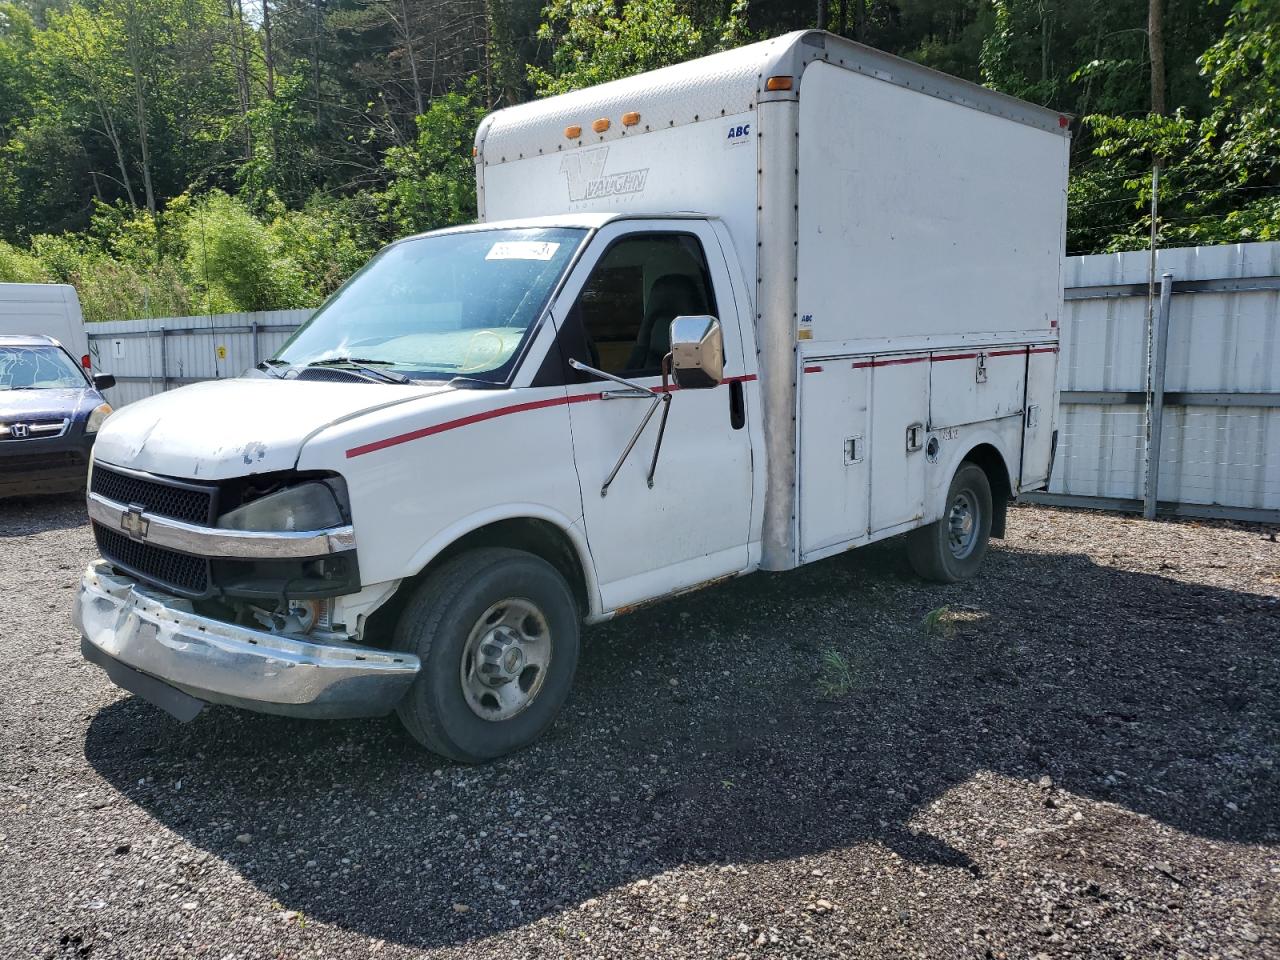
253	329
164	362
1159	355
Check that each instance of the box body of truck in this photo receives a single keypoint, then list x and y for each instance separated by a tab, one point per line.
900	235
742	313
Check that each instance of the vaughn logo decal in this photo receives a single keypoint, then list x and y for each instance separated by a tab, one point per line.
587	180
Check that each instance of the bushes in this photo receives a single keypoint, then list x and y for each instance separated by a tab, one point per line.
207	254
233	259
19	266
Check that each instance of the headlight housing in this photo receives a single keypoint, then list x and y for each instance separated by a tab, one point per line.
97	418
308	506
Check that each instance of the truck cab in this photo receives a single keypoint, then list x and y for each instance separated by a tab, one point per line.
679	348
261	537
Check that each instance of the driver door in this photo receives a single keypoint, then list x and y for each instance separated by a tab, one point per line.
693	524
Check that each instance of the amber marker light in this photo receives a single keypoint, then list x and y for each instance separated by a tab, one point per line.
630	119
778	83
573	132
601	125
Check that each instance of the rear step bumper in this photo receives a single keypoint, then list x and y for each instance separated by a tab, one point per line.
153	645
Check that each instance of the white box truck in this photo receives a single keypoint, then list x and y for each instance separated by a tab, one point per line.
46	309
742	313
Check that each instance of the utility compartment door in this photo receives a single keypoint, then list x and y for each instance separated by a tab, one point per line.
834	453
899	419
1040	416
974	386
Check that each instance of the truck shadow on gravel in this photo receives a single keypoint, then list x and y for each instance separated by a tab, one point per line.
697	734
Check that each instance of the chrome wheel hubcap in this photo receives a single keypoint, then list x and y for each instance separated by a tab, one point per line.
505	659
962	525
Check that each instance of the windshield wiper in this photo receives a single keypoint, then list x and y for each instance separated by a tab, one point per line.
364	366
269	366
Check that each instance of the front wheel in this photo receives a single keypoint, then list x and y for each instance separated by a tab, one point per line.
497	631
952	548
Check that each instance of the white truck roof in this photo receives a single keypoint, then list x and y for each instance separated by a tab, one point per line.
582	220
720	85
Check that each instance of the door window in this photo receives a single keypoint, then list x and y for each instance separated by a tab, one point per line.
621	320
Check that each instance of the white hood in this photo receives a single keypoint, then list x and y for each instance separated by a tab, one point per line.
231	428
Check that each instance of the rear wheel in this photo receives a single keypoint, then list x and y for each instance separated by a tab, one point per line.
952	548
497	631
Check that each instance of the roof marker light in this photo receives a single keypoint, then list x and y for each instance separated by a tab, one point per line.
630	119
573	132
778	83
601	125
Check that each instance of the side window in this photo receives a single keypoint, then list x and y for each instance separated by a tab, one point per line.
624	312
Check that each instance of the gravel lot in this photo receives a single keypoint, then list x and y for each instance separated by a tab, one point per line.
1077	758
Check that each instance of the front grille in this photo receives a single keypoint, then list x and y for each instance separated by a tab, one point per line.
36	430
179	501
166	568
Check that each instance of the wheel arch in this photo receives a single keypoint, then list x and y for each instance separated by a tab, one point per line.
524	527
987	456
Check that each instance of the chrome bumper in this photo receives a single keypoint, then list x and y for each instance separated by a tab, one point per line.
159	636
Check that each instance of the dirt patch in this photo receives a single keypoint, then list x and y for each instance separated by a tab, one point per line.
1078	757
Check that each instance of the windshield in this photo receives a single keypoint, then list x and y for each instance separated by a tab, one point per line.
38	368
458	304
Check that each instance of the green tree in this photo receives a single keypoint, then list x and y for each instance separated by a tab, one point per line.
433	179
593	41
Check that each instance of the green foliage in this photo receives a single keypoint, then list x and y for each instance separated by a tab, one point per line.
281	159
328	240
593	41
20	266
433	179
235	260
836	676
1220	173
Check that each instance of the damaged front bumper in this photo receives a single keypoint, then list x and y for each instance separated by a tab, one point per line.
153	645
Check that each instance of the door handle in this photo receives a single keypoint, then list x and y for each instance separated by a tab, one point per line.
737	405
915	437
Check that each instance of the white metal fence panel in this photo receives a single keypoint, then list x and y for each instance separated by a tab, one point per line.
149	356
1219	446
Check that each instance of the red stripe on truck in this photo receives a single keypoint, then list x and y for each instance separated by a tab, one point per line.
494	414
467	421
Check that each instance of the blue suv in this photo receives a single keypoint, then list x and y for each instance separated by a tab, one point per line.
50	412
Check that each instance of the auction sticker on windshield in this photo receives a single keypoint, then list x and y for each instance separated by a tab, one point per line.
522	250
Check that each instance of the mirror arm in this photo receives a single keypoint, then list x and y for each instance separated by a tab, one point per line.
638	390
662	424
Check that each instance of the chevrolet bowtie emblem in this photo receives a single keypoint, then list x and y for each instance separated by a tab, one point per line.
134	523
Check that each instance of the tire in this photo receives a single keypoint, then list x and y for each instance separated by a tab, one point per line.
480	624
933	552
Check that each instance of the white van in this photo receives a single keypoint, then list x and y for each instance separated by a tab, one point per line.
45	309
746	312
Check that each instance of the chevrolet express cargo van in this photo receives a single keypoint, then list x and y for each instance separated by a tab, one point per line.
743	313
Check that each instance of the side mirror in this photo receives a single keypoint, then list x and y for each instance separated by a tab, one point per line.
103	381
697	352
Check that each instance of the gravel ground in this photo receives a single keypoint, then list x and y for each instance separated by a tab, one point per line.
1077	757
